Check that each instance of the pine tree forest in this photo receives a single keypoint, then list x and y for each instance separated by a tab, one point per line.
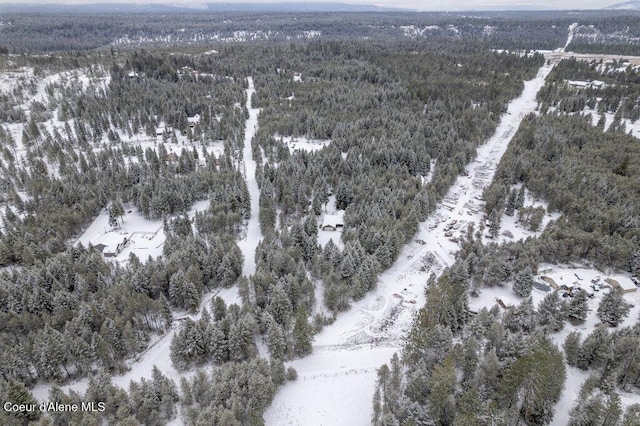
139	130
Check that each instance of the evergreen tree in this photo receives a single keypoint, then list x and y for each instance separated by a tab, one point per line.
470	409
596	409
534	383
635	263
470	358
441	401
577	308
218	308
631	415
523	282
487	375
520	198
511	203
572	348
587	411
280	307
218	346
302	334
276	341
595	349
613	308
14	392
348	265
494	223
551	312
115	210
521	318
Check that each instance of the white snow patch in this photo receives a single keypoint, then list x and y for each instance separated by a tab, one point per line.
572	30
329	389
432	167
302	143
631	128
511	229
572	385
413	31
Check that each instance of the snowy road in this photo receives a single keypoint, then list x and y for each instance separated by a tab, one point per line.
374	328
254	234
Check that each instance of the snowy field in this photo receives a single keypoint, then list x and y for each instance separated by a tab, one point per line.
302	143
153	142
336	383
632	127
374	328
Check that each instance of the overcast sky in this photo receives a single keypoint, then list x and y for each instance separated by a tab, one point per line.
416	4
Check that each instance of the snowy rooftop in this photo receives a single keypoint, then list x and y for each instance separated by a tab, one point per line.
334	220
625	283
110	239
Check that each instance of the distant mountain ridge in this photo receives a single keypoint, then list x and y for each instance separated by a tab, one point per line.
627	5
298	7
190	8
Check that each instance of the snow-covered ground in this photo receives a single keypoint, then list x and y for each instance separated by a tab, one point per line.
432	168
511	229
572	30
254	234
329	389
32	89
374	328
413	31
632	128
557	55
324	236
303	143
153	142
583	277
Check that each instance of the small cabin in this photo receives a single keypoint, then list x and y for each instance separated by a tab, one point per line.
504	302
171	157
623	284
550	281
332	222
541	285
112	246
